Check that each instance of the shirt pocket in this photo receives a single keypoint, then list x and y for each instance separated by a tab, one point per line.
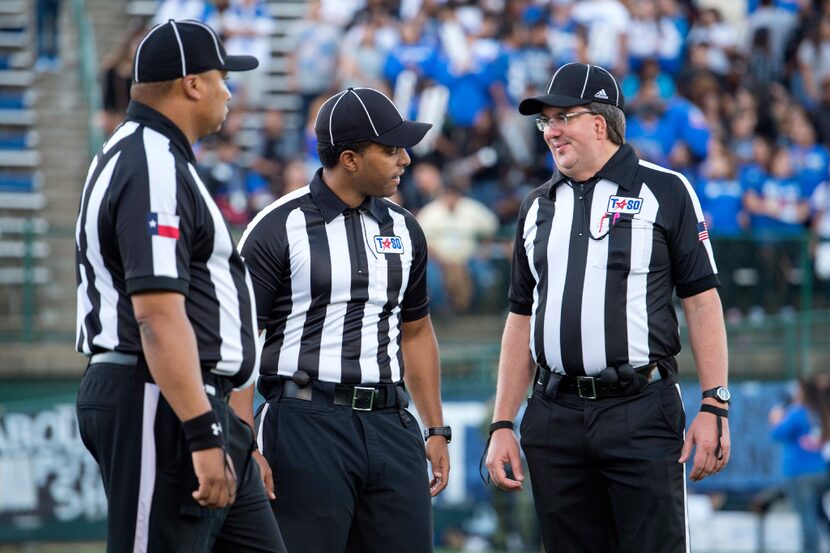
390	277
617	257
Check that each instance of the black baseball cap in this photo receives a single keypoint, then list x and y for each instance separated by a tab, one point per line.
358	114
576	84
178	48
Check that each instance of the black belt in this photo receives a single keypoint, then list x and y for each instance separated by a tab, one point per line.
215	385
593	387
360	397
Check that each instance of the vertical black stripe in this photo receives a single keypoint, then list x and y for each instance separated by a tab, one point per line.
616	291
353	323
91	324
320	275
543	223
571	333
275	315
394	275
275	329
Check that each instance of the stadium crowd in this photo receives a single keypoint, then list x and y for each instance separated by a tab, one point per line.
735	96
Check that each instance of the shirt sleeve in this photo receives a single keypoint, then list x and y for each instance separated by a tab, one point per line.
264	251
415	303
522	281
692	258
153	216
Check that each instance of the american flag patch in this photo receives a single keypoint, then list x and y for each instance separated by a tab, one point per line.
702	231
163	224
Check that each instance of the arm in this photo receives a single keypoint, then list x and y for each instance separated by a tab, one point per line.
423	380
516	370
707	335
169	345
242	403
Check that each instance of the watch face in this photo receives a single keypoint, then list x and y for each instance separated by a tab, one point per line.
723	394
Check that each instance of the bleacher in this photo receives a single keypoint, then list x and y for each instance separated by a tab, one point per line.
21	197
276	94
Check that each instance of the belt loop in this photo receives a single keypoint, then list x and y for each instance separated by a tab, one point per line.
551	388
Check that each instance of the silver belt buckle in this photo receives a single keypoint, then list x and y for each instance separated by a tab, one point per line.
363	398
587	387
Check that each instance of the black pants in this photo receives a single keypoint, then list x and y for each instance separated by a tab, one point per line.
148	474
604	473
347	481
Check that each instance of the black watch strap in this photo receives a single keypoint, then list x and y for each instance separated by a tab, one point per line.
444	431
718	393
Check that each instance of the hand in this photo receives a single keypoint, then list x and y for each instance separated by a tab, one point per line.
703	436
217	478
504	449
265	473
439	457
775	415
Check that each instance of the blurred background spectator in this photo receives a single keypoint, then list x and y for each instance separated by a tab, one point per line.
735	96
797	428
47	37
117	77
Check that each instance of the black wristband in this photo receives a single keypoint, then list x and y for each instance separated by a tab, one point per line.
498	425
717	411
203	432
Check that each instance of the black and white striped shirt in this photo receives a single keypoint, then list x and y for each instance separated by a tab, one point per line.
601	298
147	222
333	284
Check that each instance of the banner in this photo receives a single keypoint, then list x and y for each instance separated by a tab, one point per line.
50	487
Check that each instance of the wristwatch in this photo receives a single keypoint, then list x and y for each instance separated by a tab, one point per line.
720	393
445	431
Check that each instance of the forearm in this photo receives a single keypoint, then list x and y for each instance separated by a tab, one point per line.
516	367
169	346
242	403
707	334
423	370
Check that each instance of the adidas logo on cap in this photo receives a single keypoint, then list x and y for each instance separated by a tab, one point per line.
576	84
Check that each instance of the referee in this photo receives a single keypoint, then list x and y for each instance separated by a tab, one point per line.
599	250
166	315
340	280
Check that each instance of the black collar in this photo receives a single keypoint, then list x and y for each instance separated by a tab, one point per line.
144	114
331	205
620	169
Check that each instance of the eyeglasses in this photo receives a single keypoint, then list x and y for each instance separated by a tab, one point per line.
560	120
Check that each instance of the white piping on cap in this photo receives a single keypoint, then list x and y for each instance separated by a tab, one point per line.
331	115
613	80
212	35
384	96
366	111
181	48
138	50
585	84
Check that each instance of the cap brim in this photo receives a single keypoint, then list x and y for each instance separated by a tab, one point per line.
405	135
241	63
532	106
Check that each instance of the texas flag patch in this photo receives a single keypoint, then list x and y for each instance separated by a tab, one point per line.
163	224
389	244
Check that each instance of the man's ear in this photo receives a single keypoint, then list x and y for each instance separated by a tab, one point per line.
601	127
191	87
350	160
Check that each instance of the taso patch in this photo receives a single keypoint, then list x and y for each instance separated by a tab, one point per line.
388	244
621	204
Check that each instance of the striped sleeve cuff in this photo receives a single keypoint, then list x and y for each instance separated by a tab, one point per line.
146	284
